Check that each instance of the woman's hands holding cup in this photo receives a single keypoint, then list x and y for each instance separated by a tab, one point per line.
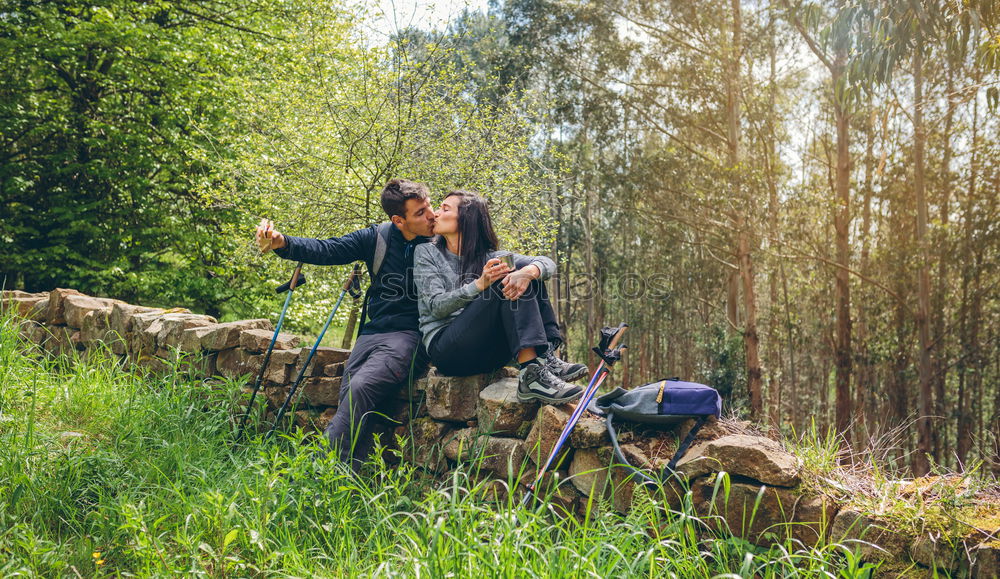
493	270
517	282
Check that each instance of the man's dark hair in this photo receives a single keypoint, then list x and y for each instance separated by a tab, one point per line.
397	192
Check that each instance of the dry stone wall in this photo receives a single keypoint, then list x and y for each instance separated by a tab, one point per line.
441	421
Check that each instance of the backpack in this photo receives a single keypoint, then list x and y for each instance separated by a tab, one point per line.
663	403
383	232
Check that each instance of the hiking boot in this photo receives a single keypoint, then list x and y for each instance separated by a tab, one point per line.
561	369
536	382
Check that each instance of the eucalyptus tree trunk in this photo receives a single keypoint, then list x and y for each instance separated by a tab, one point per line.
842	221
864	376
969	365
770	155
939	369
744	203
925	441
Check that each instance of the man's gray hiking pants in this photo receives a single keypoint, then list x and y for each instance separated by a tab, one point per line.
378	366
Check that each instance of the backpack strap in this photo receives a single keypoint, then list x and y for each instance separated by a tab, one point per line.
683	448
383	233
622	460
667	470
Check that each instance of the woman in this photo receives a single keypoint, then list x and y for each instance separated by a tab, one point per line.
476	314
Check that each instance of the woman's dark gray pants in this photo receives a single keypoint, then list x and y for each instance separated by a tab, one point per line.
378	366
492	329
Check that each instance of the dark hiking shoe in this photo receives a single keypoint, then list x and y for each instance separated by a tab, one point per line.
563	370
536	382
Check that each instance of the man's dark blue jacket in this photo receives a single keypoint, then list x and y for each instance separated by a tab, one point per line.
392	306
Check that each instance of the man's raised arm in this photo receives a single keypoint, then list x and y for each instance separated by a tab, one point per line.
355	246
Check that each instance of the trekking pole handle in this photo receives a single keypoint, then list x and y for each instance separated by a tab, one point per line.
296	280
355	273
618	337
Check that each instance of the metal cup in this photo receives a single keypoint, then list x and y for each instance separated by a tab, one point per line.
506	257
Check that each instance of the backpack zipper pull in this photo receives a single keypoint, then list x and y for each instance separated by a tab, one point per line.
659	395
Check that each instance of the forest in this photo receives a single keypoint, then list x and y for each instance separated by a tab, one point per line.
794	201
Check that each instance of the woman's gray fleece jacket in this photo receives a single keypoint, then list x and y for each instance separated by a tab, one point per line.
442	294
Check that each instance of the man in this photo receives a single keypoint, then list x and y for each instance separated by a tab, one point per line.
388	346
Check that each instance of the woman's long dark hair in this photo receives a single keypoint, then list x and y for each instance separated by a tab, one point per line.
475	228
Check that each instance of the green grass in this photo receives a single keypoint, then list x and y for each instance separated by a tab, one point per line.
151	485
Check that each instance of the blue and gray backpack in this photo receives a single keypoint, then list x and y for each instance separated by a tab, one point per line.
665	403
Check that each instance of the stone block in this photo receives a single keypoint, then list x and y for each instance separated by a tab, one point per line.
257	341
321	391
24	305
563	495
309	420
873	540
59	340
227	335
56	313
75	340
334	370
39	312
191	338
589	432
94	328
202	364
154	364
939	552
500	412
696	464
985	559
781	512
140	333
623	481
33	332
322	358
589	472
503	457
459	443
277	373
545	431
171	326
120	319
755	457
454	399
276	396
281	365
75	307
425	443
323	420
237	362
9	294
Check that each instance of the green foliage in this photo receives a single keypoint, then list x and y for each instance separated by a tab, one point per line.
106	114
332	116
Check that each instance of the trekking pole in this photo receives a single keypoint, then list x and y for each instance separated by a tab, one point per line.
610	353
297	279
352	286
